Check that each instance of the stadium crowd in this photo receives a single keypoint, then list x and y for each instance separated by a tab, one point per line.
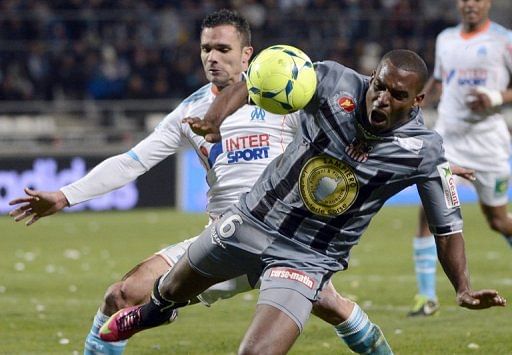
137	49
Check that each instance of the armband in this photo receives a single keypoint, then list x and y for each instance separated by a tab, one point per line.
494	96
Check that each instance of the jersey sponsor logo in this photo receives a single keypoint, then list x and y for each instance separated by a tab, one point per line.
327	186
258	114
248	148
468	77
292	274
347	103
449	188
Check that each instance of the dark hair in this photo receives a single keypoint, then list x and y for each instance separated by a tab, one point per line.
408	60
229	17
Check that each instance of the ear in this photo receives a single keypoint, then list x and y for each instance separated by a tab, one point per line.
372	78
246	56
419	99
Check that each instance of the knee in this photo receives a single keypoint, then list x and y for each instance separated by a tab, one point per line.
497	224
248	347
331	307
121	295
172	287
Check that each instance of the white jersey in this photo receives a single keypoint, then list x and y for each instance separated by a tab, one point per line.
251	138
463	63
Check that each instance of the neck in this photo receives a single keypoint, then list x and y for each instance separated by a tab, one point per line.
471	28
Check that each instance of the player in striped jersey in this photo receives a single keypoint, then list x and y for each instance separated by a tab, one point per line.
473	68
251	139
363	140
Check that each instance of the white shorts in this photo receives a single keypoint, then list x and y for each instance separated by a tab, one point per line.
483	148
492	188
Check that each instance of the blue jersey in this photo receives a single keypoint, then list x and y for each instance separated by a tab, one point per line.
329	183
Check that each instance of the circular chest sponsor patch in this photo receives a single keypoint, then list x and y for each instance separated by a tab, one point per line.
327	186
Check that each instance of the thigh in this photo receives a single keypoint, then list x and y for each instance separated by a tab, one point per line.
228	248
174	252
143	276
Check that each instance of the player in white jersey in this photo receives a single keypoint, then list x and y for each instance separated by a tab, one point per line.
473	65
251	139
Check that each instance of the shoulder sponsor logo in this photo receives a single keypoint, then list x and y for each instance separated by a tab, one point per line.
327	186
248	148
449	188
347	103
292	274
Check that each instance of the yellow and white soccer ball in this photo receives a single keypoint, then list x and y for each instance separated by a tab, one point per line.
281	79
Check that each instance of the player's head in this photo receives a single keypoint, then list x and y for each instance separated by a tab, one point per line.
474	13
395	89
225	47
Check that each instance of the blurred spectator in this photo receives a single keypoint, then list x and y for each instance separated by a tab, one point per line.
109	79
128	49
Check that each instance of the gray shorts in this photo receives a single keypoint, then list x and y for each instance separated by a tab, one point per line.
293	274
222	290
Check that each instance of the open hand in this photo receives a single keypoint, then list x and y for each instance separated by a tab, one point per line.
37	204
481	299
465	173
204	128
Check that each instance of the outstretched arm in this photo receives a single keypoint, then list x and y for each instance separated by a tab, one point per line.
227	102
450	251
109	175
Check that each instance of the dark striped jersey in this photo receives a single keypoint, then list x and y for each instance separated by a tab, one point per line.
332	179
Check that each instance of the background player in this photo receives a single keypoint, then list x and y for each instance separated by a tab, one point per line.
472	69
282	230
251	139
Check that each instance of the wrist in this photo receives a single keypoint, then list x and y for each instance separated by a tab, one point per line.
63	200
495	96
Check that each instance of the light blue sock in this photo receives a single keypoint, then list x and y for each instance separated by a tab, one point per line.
95	346
425	259
508	238
361	335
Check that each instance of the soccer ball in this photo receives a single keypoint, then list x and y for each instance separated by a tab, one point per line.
281	79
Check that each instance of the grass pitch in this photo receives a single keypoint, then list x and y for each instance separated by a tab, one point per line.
55	272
